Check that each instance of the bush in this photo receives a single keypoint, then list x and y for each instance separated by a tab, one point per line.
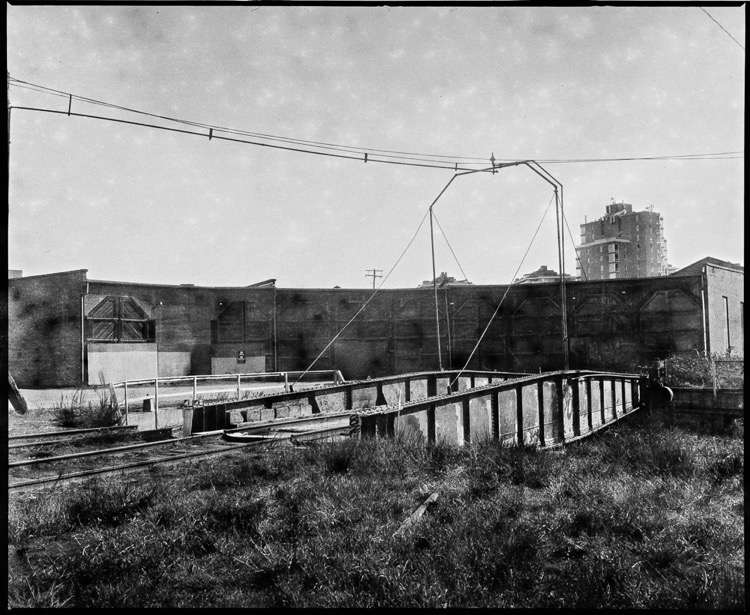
695	370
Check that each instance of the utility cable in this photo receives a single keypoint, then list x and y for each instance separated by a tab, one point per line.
497	309
722	27
449	246
573	242
318	144
362	152
364	305
246	142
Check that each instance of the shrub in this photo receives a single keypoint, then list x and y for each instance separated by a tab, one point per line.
698	371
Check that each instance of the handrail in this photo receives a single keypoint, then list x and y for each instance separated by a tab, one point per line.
336	375
335	372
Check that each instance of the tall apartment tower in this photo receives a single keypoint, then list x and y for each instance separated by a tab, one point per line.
623	244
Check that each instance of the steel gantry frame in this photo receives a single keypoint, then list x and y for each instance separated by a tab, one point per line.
559	211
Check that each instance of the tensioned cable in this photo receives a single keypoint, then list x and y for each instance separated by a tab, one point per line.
449	245
318	144
722	27
372	296
497	309
573	241
466	278
360	150
246	142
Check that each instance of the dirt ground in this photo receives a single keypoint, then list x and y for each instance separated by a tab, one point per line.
41	402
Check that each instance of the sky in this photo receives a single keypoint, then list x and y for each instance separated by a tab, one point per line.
617	103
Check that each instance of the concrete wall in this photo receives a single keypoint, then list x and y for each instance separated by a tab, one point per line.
729	399
118	362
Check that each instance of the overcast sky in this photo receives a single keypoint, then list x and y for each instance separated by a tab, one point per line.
137	204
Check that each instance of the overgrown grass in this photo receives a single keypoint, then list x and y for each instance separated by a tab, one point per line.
76	412
643	516
693	369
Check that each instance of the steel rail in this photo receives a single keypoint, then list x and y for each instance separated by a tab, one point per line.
118	449
70	432
125	468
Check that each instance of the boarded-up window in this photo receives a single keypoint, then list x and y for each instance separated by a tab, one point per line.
232	323
119	319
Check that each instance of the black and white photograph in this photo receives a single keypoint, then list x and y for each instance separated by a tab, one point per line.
347	305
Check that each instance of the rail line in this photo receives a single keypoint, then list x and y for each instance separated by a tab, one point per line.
546	410
61	469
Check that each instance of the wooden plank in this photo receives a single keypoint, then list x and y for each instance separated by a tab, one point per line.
417	514
15	397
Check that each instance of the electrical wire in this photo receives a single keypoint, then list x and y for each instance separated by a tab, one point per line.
449	246
722	27
497	309
265	136
573	241
210	136
361	152
372	296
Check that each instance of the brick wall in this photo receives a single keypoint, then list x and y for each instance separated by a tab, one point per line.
44	329
612	324
722	282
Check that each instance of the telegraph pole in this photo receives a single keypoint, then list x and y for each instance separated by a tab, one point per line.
373	275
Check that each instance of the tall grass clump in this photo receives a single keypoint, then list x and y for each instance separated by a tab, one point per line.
77	412
640	516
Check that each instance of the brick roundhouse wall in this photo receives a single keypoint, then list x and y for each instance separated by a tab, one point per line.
612	324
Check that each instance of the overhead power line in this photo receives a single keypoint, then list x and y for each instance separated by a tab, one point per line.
722	27
440	161
497	309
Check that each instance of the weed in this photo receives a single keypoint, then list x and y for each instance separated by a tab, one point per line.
109	503
78	413
642	516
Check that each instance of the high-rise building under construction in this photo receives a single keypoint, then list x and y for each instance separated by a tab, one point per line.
623	244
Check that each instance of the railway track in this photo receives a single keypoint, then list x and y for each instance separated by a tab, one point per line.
43	460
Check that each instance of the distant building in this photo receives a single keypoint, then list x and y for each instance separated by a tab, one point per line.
14	273
541	276
623	244
444	280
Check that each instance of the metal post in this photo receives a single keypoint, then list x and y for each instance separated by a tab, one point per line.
540	409
195	389
434	288
519	415
126	402
561	262
239	390
448	328
713	375
431	437
495	413
286	382
156	403
466	416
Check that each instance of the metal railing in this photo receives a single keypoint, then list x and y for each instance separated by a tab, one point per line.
548	409
154	387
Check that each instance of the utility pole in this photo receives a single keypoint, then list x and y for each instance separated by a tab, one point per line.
373	275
